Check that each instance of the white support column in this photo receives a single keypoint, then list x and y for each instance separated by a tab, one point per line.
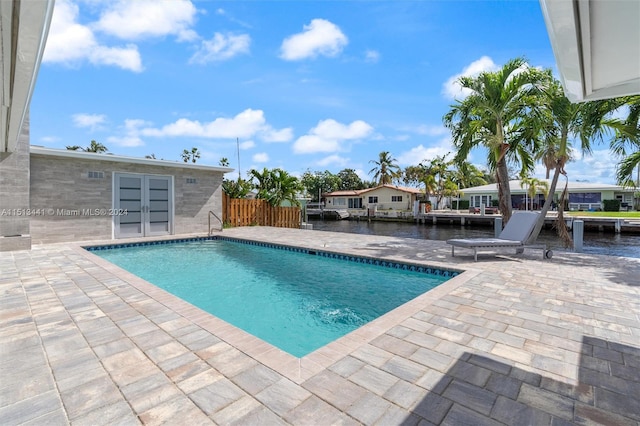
578	235
497	226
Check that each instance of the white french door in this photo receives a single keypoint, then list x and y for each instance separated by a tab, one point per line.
148	203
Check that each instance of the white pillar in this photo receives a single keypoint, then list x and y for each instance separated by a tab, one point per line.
578	235
497	226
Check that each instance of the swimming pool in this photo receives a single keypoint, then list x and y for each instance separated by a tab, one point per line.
296	299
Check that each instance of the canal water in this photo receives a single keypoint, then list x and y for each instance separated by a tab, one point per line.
606	243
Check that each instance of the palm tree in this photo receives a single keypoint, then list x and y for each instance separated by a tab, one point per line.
492	117
534	186
276	186
438	169
559	122
386	169
96	147
261	182
626	140
285	188
236	189
430	184
192	155
624	174
466	175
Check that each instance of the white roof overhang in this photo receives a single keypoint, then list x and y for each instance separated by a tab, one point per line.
24	26
596	44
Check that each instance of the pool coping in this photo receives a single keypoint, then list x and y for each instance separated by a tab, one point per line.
295	369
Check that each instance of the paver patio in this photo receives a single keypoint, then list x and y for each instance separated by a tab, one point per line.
513	340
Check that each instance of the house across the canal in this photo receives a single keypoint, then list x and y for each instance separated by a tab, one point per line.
582	195
391	199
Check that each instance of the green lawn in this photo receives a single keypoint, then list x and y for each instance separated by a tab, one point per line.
633	214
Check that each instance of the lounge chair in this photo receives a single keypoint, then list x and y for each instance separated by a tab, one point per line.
514	235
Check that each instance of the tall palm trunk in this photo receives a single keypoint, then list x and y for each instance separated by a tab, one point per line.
502	174
558	168
547	204
560	224
504	192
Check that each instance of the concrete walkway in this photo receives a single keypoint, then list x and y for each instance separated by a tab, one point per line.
513	340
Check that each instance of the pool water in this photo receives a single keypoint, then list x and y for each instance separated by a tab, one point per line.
296	301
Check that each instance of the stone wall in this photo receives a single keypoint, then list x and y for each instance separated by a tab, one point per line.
61	186
14	195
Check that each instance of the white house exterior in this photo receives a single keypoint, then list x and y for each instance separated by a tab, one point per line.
381	199
582	195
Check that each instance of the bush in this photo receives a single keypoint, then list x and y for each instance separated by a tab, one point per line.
611	205
463	205
495	203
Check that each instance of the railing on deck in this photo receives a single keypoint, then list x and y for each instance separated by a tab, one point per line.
242	212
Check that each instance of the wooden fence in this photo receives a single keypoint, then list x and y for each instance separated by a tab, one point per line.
241	212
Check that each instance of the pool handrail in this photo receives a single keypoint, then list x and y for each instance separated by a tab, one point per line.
219	220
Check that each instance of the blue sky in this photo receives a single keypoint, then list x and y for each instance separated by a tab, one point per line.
303	85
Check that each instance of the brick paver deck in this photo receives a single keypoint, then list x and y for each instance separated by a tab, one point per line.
514	340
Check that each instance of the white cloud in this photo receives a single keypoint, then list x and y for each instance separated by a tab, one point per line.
247	124
362	174
320	37
282	135
431	130
261	157
127	141
70	43
418	154
599	167
224	13
130	136
49	139
332	129
372	56
127	58
139	19
334	160
312	143
328	136
221	47
620	113
451	89
247	145
92	121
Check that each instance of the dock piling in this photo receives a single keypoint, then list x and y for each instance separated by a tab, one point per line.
578	235
497	226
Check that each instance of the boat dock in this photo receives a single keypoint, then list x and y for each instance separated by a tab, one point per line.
337	214
604	224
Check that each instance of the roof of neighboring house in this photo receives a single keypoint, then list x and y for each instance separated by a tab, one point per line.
516	187
362	191
39	150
